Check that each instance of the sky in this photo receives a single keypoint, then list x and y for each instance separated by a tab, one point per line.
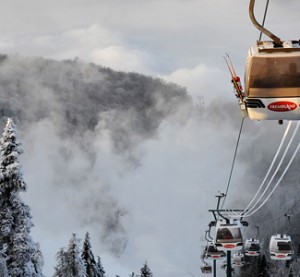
181	41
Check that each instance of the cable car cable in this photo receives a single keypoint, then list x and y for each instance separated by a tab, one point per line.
265	225
283	174
233	161
270	168
275	172
274	159
235	215
263	23
248	209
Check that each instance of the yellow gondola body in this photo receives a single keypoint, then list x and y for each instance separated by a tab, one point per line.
272	81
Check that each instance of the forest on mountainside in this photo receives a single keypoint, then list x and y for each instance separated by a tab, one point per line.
78	101
81	96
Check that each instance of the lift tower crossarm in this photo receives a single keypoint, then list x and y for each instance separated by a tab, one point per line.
277	40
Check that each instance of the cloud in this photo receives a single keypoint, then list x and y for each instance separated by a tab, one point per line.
120	58
93	43
177	33
203	80
66	44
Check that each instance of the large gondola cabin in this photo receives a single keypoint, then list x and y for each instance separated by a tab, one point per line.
272	81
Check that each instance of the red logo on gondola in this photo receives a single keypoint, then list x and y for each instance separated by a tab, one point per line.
282	106
215	257
280	256
229	246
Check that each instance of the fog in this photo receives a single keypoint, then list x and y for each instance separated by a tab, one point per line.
135	161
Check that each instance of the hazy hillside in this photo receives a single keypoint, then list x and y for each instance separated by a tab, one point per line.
80	96
73	117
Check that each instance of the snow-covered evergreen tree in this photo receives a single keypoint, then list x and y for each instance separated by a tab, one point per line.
3	267
145	271
38	259
88	258
100	268
22	256
11	179
76	266
61	269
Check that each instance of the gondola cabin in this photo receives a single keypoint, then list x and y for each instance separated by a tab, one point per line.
229	235
272	81
206	268
280	247
211	252
252	248
238	259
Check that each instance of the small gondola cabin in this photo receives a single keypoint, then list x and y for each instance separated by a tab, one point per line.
280	247
211	252
252	247
206	268
238	259
229	235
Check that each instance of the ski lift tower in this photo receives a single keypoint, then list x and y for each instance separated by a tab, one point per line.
224	225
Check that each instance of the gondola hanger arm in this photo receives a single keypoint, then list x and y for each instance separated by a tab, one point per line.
277	40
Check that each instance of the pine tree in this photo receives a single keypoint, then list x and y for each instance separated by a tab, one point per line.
145	271
3	266
88	258
100	268
76	266
62	264
38	259
22	256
